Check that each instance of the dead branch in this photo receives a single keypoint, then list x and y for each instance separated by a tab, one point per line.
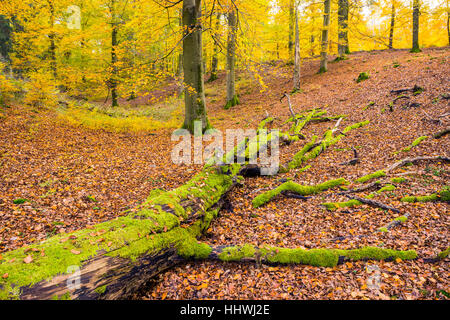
413	160
373	203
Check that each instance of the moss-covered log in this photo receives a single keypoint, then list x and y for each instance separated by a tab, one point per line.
117	257
314	257
443	195
296	188
312	149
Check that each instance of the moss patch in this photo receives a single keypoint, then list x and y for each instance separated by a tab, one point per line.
371	176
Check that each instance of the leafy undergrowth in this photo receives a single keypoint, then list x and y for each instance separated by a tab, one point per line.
165	114
73	176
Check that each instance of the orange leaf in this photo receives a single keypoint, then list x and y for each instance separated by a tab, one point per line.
28	259
75	251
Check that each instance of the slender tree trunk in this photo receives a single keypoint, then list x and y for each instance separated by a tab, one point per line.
194	95
415	28
391	30
343	47
113	76
51	36
215	57
448	23
291	29
324	49
232	98
297	54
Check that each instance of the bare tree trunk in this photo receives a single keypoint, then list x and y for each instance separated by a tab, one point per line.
291	29
215	58
232	98
343	47
297	54
194	96
415	29
391	30
113	76
51	36
324	49
448	23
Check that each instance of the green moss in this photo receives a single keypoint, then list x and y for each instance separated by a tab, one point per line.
147	230
313	257
237	253
331	206
443	195
444	254
388	187
65	296
231	103
398	180
383	229
362	76
375	253
296	188
100	290
310	151
263	123
402	219
415	143
19	201
330	257
371	176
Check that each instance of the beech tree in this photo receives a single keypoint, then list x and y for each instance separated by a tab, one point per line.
194	94
415	26
232	98
325	32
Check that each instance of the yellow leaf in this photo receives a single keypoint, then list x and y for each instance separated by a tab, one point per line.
203	285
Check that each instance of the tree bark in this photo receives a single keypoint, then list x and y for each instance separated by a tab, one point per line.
343	47
195	105
232	98
215	57
51	36
415	26
115	258
297	54
114	70
291	29
324	48
391	30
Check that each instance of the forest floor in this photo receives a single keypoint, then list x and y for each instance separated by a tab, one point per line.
72	177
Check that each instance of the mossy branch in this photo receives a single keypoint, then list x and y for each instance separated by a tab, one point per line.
314	257
296	188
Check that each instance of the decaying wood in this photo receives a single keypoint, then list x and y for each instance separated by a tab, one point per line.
441	133
352	161
413	160
373	203
413	89
289	104
365	187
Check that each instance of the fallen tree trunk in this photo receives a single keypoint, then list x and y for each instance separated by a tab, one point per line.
114	259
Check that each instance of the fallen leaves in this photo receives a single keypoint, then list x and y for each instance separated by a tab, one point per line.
28	259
